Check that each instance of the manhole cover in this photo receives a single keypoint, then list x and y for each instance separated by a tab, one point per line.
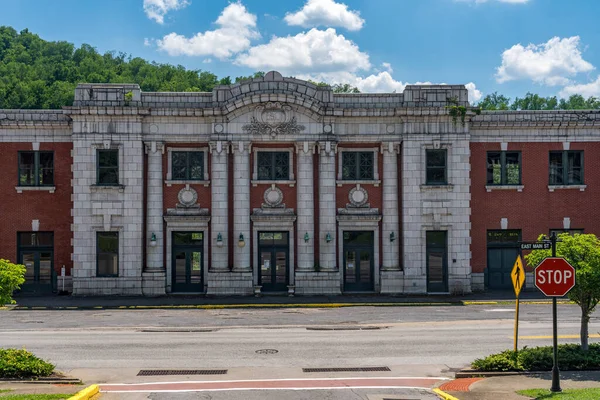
267	351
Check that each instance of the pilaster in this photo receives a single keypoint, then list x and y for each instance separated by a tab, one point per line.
390	226
306	207
219	152
241	203
154	207
327	206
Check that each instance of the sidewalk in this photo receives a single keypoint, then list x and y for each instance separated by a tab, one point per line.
201	301
504	388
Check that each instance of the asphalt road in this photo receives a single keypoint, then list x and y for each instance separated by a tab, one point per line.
112	346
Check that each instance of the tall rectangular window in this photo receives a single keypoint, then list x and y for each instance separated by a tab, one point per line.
357	165
504	168
108	167
436	167
188	165
107	254
566	167
36	168
273	165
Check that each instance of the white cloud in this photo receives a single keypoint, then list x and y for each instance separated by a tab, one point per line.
388	67
474	94
236	28
207	61
147	42
313	52
584	89
551	63
157	9
325	13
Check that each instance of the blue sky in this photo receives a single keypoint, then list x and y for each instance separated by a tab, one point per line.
549	47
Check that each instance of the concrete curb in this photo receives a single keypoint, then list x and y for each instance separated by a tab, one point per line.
287	305
86	393
444	395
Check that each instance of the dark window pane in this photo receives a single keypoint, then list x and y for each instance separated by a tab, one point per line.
366	165
188	238
282	165
349	165
108	167
436	158
107	255
494	169
436	167
196	165
273	165
179	165
27	168
574	168
46	168
513	169
436	175
265	165
556	168
36	239
436	239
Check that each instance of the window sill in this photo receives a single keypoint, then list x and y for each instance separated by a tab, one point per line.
107	188
288	182
447	187
373	182
552	188
49	189
170	183
518	188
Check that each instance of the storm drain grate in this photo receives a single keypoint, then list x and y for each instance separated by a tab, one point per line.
359	369
156	372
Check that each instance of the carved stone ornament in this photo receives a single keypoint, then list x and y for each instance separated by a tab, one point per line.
273	119
187	197
358	196
273	197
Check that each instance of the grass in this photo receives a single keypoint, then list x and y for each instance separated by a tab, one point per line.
569	394
36	396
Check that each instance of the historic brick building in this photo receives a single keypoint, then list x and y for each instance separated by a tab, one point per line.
276	185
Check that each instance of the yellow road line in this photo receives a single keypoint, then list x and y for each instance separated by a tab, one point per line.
444	395
592	336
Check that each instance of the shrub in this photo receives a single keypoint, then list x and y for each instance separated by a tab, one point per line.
11	278
15	363
570	358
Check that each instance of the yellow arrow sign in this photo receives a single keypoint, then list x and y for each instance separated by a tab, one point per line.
517	275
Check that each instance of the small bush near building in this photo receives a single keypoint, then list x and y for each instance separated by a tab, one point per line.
12	277
570	358
15	363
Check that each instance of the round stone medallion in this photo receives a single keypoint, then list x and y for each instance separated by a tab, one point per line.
273	196
358	196
327	128
390	129
187	196
219	128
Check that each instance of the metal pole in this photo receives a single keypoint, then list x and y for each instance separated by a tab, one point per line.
555	372
517	326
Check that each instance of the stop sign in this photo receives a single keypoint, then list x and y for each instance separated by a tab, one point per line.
555	276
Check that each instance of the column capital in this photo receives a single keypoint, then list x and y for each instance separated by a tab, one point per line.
153	147
391	147
327	147
306	147
241	147
219	146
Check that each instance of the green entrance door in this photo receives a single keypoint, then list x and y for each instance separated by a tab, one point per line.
36	252
188	262
502	252
358	261
273	261
437	261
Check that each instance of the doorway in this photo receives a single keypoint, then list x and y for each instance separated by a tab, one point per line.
188	262
359	261
437	261
273	261
36	252
502	252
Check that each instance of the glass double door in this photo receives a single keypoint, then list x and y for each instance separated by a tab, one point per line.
273	261
358	261
437	261
36	253
188	262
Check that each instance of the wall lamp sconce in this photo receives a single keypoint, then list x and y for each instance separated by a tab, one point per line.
306	237
219	240
328	237
392	237
241	242
153	240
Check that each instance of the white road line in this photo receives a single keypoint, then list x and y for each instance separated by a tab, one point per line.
247	389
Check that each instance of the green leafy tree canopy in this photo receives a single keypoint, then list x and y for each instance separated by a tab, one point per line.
12	276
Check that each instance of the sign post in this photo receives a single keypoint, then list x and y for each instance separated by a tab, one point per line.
554	277
518	279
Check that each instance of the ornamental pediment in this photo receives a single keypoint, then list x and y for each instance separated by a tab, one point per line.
273	119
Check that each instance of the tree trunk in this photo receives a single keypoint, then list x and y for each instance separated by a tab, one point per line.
585	319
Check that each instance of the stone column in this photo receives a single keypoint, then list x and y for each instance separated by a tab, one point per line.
219	205
327	206
154	207
241	204
390	224
306	207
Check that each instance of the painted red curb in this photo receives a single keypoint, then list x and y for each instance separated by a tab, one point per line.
459	385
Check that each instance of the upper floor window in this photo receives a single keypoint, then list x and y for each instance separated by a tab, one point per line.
357	165
566	167
436	163
36	168
273	165
108	167
188	165
107	254
504	168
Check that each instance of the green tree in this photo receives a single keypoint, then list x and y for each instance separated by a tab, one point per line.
583	253
12	277
494	101
344	88
533	101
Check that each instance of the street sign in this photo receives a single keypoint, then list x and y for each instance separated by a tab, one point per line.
536	245
517	276
555	276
